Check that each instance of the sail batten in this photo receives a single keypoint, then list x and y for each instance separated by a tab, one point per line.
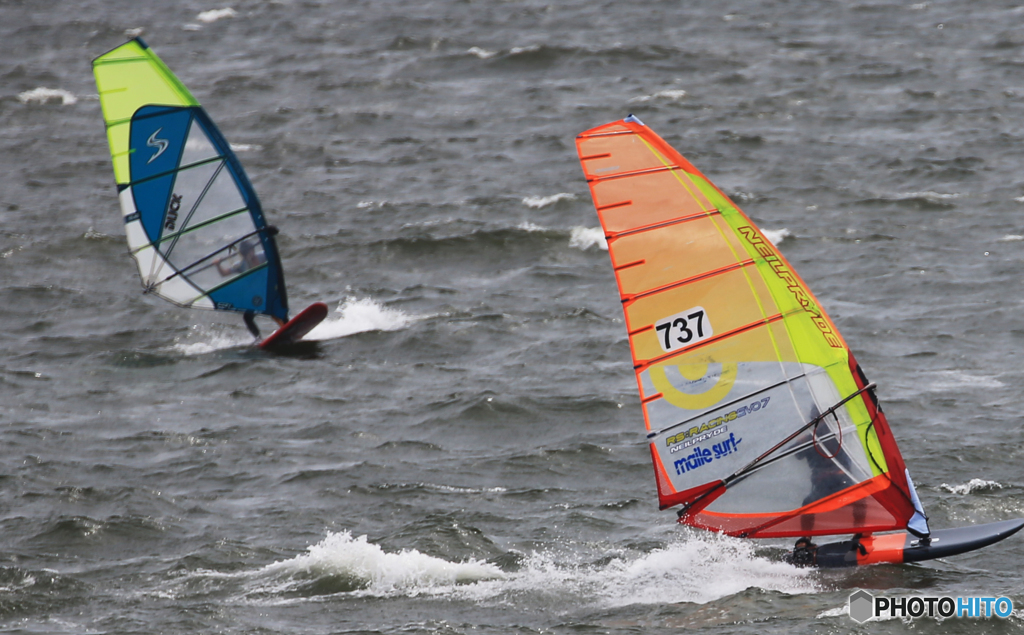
171	172
637	230
193	221
732	354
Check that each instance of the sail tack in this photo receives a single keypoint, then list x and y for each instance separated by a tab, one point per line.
194	224
759	419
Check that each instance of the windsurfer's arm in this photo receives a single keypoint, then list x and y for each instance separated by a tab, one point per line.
227	270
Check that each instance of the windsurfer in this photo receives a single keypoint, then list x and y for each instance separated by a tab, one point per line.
249	259
805	553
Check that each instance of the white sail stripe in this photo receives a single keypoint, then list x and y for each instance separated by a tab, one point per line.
150	262
137	238
179	291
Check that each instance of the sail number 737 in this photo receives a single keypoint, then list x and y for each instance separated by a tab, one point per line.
683	329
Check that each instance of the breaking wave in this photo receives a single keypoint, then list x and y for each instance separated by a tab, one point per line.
667	95
973	485
538	202
48	95
698	569
586	237
355	315
359	315
776	236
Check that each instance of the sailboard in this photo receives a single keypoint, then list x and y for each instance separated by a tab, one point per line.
194	224
760	422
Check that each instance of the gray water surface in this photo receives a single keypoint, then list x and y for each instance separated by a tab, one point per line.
462	450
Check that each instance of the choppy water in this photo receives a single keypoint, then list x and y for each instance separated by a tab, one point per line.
462	450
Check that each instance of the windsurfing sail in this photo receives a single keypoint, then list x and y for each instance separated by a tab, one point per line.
760	421
195	227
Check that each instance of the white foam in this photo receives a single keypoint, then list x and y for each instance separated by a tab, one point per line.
667	95
586	237
538	202
370	204
971	485
531	227
358	315
953	379
516	50
47	95
776	236
696	568
245	147
202	340
481	53
379	573
1011	238
701	569
927	195
452	489
207	17
355	316
836	612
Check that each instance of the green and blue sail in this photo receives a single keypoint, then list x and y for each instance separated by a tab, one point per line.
194	223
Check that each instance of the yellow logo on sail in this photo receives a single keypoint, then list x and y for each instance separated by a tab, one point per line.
705	384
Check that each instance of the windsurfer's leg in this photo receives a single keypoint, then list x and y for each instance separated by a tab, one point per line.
807	520
860	513
249	318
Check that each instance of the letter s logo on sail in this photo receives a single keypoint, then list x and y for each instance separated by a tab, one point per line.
159	144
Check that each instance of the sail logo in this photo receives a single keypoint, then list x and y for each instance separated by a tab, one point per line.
159	144
702	456
701	438
714	423
172	212
787	276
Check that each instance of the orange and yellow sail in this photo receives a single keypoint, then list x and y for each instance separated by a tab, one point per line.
735	358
